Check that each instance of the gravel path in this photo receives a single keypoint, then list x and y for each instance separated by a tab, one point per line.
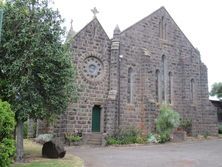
206	153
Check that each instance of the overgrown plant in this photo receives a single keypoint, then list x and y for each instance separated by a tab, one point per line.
167	120
186	125
7	125
126	136
73	138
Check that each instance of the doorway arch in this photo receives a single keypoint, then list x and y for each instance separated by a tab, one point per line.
96	118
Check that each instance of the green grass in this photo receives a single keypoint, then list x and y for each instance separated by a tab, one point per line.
34	159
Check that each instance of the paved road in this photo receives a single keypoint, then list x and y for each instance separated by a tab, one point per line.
187	154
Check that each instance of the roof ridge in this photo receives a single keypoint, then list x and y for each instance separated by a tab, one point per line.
94	19
162	7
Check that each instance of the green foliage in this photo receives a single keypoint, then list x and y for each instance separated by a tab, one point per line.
37	75
126	136
73	138
166	122
1	18
111	140
220	129
151	138
217	90
186	125
7	124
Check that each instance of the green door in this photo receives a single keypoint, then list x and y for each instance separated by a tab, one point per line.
96	119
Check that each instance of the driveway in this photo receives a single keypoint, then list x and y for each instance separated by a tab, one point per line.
206	153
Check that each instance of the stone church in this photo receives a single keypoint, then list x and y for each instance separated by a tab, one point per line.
123	80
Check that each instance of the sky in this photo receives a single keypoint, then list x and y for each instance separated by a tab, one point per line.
200	20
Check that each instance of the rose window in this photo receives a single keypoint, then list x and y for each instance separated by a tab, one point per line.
92	67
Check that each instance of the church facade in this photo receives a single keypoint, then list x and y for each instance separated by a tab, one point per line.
123	81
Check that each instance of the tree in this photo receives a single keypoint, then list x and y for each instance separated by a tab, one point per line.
35	63
217	90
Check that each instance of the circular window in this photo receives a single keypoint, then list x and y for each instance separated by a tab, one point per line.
92	67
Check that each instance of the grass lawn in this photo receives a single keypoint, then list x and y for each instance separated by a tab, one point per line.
33	158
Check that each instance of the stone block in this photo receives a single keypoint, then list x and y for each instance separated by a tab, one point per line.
53	149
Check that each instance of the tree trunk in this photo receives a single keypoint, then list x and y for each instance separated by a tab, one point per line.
19	142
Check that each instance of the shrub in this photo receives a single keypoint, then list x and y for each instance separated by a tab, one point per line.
7	125
110	140
166	122
220	129
186	125
73	138
126	136
151	138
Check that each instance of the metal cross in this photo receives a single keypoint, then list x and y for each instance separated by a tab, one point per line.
71	22
94	11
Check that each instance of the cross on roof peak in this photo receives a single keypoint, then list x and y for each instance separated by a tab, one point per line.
95	12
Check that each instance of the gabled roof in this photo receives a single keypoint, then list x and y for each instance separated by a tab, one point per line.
152	14
91	22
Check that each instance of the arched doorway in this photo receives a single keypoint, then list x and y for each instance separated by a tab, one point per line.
96	118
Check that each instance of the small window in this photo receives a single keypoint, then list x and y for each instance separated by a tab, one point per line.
163	77
192	89
157	80
170	87
162	28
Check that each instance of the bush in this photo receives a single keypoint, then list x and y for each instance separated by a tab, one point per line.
220	129
152	138
126	136
166	122
186	125
73	138
7	125
111	140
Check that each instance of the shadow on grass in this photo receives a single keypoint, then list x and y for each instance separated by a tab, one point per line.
33	158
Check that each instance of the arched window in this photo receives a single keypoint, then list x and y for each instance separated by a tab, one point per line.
192	89
164	31
163	77
170	87
157	80
130	85
162	28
